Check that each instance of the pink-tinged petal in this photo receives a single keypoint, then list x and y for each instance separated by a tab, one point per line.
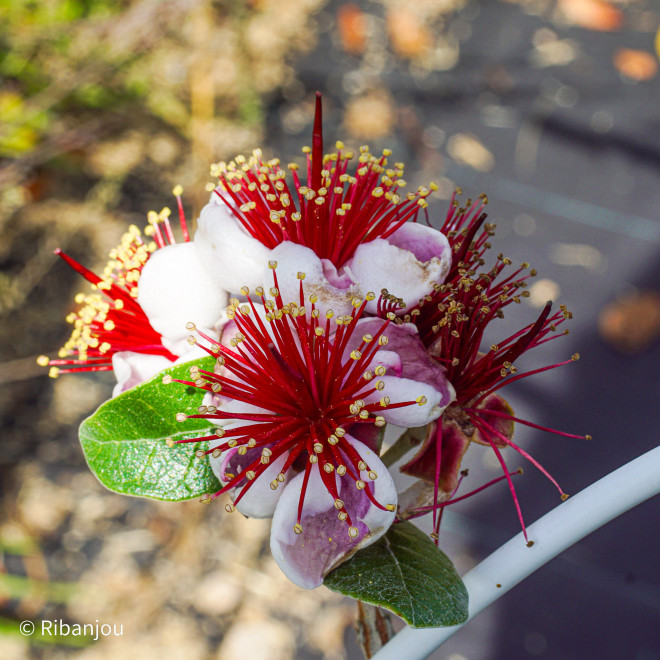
324	543
404	341
388	359
134	368
423	464
408	263
419	375
174	289
231	256
334	290
502	425
426	243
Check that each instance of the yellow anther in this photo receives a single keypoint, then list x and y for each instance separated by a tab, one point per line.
297	528
353	532
181	417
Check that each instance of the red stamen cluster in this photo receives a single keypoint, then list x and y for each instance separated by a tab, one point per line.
333	213
110	319
453	319
290	364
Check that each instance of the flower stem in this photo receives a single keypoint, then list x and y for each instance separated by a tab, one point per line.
565	525
373	628
403	444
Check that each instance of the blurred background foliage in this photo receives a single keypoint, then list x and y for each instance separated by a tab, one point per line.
105	105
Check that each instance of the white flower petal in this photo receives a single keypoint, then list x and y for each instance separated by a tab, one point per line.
231	256
324	543
398	390
260	499
334	290
408	263
174	288
132	368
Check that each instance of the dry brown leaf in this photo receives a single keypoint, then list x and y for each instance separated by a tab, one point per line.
408	35
370	116
353	29
468	150
632	323
635	64
591	14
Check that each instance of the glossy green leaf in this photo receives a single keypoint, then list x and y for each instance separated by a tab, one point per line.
405	572
124	441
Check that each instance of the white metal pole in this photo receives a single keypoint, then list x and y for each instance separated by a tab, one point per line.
565	525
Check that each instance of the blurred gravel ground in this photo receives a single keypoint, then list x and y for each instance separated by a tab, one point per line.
549	107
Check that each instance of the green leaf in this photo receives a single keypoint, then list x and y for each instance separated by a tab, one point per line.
405	572
124	441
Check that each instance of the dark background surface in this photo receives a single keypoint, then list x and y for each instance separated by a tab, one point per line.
573	188
581	187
